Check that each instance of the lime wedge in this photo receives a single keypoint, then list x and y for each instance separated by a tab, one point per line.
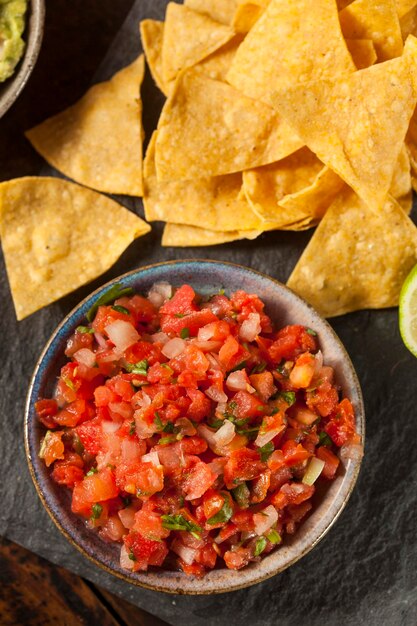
408	311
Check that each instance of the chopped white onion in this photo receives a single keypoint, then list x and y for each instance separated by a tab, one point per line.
217	466
251	327
160	338
351	452
85	357
237	381
109	427
100	340
121	408
113	529
263	438
173	347
127	517
216	394
151	457
110	357
160	293
225	433
265	519
214	363
143	430
208	346
313	471
207	434
205	333
125	562
305	416
144	400
122	334
187	554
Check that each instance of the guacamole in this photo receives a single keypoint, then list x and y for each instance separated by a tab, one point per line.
12	25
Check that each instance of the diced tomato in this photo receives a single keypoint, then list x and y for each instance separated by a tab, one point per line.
207	556
331	462
140	479
149	525
95	488
143	350
260	487
227	531
192	321
303	371
144	551
52	447
159	373
142	310
73	413
103	396
218	331
106	315
77	341
181	303
242	465
200	406
198	479
237	559
294	453
292	493
248	405
341	426
279	477
45	410
67	474
295	513
195	569
323	399
291	341
213	502
91	435
264	385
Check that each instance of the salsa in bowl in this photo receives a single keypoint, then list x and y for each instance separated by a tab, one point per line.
194	426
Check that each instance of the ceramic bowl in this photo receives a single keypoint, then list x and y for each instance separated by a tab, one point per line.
284	307
11	88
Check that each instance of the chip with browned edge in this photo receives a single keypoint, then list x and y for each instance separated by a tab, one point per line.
357	124
358	258
292	42
362	51
98	141
57	236
180	236
208	128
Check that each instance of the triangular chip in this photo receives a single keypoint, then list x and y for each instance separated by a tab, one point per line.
152	35
362	51
404	6
218	64
185	201
291	42
208	128
180	236
98	141
219	10
376	20
358	258
57	236
291	190
408	23
401	188
247	14
189	37
357	124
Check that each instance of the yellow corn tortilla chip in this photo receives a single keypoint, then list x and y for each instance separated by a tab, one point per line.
247	14
357	124
341	4
404	6
362	51
208	128
152	35
57	236
189	37
408	23
291	42
219	10
266	188
376	20
98	141
186	201
218	64
180	236
358	258
401	189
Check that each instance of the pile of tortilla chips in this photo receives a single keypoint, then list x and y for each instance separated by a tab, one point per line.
288	115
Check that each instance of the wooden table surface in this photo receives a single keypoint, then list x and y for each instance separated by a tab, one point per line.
77	35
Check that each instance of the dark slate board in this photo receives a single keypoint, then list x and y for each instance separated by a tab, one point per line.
364	572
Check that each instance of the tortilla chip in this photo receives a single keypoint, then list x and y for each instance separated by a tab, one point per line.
218	64
341	4
98	141
208	128
362	51
401	189
404	6
219	10
57	236
247	14
152	35
189	37
291	42
408	23
357	124
266	188
186	201
358	258
180	236
376	20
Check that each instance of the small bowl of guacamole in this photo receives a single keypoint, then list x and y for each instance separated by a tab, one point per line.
21	30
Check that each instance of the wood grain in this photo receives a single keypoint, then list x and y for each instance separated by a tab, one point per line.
33	592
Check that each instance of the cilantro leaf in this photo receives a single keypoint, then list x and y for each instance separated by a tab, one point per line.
92	471
312	332
239	366
179	522
120	309
241	495
185	333
258	369
97	510
140	368
84	329
266	451
224	514
324	440
273	536
288	397
114	293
